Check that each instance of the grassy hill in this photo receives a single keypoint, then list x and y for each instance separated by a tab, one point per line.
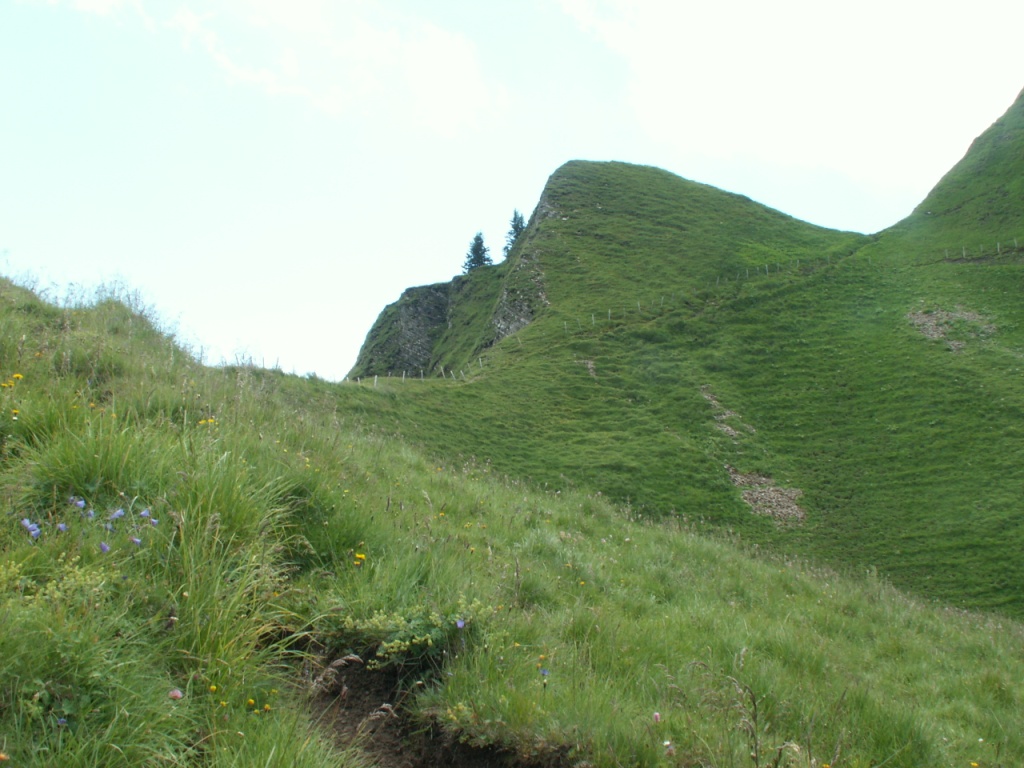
693	338
659	524
189	556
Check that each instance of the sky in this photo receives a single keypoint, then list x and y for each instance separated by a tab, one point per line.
268	175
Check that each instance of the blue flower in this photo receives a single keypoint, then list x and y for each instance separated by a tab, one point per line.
136	541
116	514
62	527
108	527
62	721
90	514
544	672
31	527
144	513
78	501
104	547
153	520
460	623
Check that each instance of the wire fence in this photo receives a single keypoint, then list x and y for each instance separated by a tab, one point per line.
670	301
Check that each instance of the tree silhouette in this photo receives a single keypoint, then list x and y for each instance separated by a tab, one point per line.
516	228
479	255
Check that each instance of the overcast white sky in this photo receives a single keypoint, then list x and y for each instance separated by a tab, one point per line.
269	174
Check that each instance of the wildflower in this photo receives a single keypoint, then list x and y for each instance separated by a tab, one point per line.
62	721
213	689
108	527
32	528
4	756
104	548
544	672
62	527
251	703
176	694
460	623
657	717
116	514
17	377
153	520
136	541
266	707
223	703
78	501
144	513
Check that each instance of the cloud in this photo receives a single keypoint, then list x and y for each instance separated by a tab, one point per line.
354	60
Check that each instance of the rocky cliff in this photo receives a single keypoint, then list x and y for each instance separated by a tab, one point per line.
447	325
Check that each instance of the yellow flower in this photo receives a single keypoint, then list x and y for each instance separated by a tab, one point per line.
223	703
266	707
251	703
17	377
213	689
360	556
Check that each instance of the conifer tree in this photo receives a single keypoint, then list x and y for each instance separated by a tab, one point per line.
479	255
516	227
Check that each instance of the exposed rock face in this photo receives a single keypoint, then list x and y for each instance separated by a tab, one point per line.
521	293
449	323
406	332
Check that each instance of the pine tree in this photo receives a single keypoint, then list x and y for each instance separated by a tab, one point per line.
479	255
517	226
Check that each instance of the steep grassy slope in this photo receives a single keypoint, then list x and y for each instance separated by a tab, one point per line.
200	544
977	205
700	349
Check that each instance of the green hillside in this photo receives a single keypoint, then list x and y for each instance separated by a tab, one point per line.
685	482
199	566
870	381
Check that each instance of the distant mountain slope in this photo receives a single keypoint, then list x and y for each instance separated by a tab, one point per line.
848	398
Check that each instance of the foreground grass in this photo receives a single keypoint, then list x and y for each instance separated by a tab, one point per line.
553	623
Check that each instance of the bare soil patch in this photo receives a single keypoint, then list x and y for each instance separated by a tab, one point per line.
765	498
938	324
364	708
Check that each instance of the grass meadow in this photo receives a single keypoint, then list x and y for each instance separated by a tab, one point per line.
184	547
